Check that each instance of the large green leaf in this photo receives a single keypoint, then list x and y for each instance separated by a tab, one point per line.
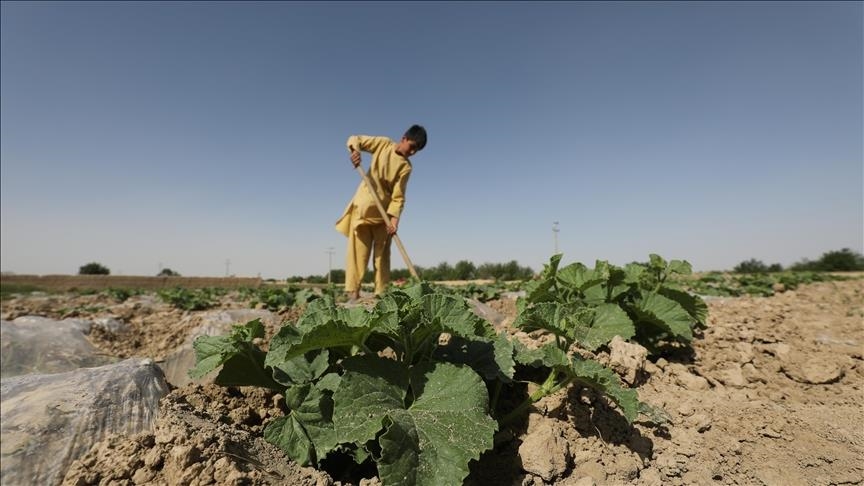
681	267
585	372
617	285
656	262
542	289
246	368
369	386
416	291
667	314
633	273
385	317
241	361
595	295
307	434
451	314
592	374
579	277
287	344
301	369
547	355
504	357
693	304
492	359
354	316
546	316
318	312
212	351
609	321
289	435
429	442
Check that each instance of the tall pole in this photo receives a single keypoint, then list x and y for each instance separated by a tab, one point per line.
227	267
555	235
329	263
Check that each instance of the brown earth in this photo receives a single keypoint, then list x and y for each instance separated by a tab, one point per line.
772	393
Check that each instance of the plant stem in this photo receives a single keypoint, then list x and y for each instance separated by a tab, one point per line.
495	395
424	343
550	386
409	353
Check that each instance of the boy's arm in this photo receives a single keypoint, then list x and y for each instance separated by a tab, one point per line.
365	143
397	199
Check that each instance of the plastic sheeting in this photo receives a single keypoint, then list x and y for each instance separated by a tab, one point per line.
214	323
33	344
47	421
486	312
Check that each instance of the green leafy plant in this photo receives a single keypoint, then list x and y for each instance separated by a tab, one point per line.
762	285
482	293
9	290
189	299
756	266
405	385
280	298
589	307
121	294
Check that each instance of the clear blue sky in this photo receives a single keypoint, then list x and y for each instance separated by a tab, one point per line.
187	134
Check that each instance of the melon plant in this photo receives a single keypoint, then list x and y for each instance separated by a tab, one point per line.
590	306
405	385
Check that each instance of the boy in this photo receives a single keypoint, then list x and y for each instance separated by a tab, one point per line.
361	222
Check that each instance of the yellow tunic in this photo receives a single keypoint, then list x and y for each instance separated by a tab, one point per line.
389	172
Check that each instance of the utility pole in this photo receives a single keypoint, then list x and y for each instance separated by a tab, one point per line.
555	235
329	263
227	267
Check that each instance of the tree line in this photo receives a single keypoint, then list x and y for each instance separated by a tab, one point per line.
844	260
462	270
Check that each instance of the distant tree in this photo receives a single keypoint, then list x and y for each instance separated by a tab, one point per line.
403	273
504	271
167	272
464	270
316	279
337	275
756	266
805	265
844	260
512	271
94	268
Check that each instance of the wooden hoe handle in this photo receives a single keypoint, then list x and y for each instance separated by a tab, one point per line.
371	187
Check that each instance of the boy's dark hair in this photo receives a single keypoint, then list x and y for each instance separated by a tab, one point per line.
416	134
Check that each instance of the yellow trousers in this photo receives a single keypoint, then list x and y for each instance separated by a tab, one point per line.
362	241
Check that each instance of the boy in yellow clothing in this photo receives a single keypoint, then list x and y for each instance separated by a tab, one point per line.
361	222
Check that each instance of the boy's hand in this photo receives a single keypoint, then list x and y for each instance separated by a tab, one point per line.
394	225
355	158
